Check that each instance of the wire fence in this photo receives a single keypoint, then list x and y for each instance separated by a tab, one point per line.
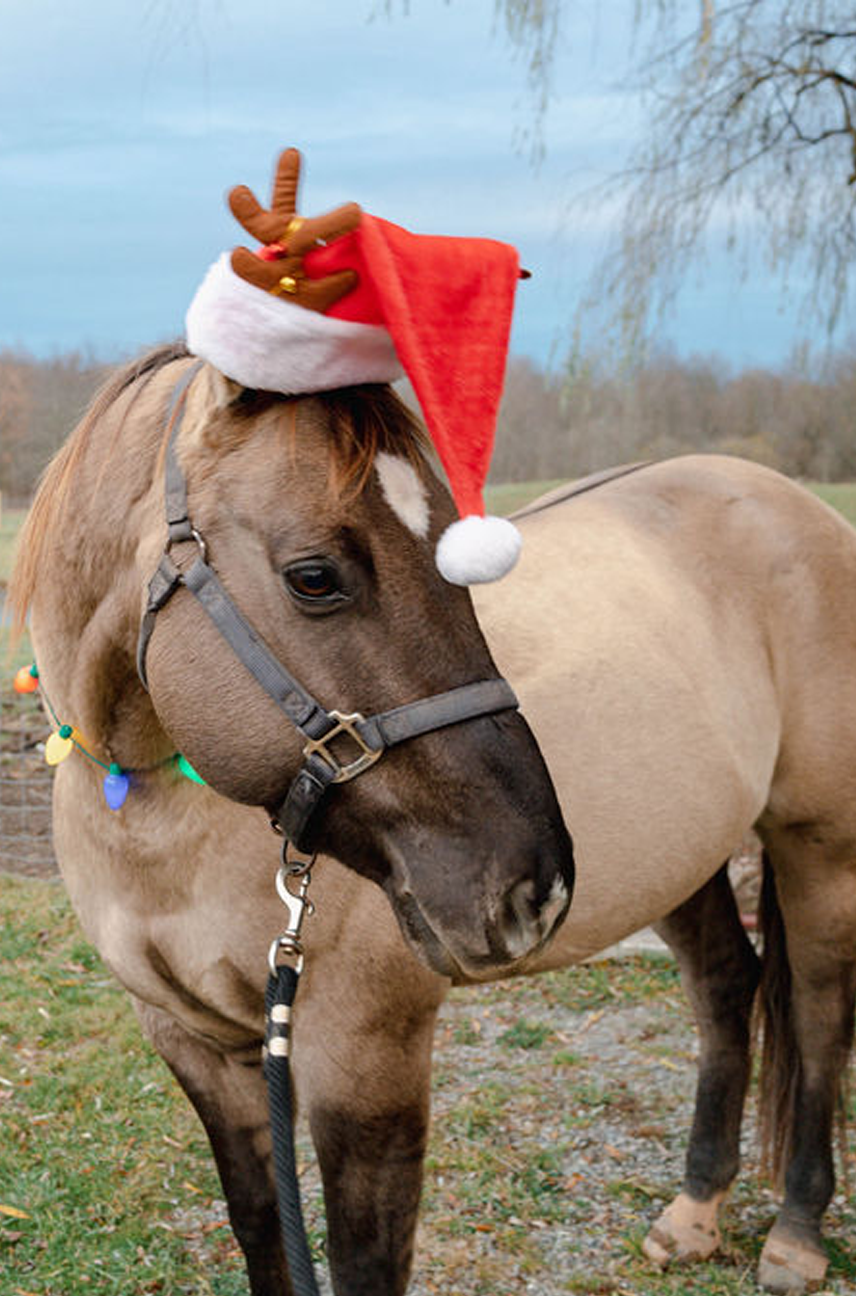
25	786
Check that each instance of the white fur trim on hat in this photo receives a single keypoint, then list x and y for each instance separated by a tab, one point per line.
272	344
476	549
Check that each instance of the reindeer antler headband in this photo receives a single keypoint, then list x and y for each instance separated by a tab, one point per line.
278	268
347	298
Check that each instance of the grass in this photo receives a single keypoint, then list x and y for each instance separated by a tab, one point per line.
841	496
506	498
107	1185
510	496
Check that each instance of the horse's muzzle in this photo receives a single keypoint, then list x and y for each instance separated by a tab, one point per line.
490	923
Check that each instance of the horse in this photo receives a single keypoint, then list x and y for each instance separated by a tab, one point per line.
680	639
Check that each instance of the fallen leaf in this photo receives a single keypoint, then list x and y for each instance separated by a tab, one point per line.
216	1224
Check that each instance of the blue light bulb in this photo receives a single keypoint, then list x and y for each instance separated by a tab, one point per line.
116	786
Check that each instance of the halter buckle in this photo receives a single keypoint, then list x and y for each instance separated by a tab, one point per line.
346	724
181	531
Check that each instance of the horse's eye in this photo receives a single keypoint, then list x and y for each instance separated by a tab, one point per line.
314	580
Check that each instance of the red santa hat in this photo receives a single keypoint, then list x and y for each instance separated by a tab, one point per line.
348	298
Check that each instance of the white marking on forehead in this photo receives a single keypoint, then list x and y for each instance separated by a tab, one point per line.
404	492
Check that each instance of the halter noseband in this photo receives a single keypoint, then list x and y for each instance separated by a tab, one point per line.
372	735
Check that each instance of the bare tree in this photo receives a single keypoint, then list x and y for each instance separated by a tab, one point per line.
15	414
750	138
798	419
752	133
40	402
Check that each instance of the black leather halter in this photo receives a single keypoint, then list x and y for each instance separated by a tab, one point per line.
372	735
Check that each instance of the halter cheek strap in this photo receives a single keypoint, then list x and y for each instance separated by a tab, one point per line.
369	736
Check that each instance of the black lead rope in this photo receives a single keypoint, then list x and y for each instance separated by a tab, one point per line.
279	1000
279	997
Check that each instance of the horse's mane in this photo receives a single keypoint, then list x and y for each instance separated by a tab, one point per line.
364	421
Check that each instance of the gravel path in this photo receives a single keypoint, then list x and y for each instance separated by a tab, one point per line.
558	1135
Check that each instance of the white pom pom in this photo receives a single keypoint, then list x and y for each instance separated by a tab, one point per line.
478	549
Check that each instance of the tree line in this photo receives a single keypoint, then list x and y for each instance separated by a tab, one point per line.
800	418
40	402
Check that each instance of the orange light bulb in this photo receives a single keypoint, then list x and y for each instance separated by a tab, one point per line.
26	680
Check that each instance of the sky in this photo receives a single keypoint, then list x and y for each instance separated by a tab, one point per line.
124	122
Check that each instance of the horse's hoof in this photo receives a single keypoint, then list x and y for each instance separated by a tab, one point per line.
686	1231
790	1267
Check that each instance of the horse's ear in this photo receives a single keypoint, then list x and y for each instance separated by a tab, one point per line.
211	394
222	391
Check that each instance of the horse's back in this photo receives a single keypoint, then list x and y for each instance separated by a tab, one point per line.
677	637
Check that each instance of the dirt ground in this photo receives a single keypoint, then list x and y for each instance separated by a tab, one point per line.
25	789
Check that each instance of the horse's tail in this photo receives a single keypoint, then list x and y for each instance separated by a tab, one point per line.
780	1058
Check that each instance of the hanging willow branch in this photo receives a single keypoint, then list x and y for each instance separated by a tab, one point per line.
750	137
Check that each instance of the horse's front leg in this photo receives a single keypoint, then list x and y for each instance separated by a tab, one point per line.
719	973
230	1098
362	1062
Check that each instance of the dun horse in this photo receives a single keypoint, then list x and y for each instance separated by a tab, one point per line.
682	640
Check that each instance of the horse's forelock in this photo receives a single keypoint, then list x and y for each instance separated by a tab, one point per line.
363	422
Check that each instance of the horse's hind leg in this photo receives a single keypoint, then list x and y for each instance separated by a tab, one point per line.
810	939
719	972
230	1098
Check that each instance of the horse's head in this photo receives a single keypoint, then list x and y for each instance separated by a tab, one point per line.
320	519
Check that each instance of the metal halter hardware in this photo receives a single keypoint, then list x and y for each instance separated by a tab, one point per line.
344	724
372	735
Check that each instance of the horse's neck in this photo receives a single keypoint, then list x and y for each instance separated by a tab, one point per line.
87	608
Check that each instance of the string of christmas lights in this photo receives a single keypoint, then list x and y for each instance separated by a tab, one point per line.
66	738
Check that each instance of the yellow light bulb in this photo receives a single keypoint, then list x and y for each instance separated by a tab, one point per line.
59	745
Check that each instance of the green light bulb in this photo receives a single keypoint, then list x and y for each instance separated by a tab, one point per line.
189	772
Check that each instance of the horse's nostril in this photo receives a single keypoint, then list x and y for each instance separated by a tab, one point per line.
555	906
520	929
520	903
525	923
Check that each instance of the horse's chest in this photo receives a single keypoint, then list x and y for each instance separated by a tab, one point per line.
190	939
173	963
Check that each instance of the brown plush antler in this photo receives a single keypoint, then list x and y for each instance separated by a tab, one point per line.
288	237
